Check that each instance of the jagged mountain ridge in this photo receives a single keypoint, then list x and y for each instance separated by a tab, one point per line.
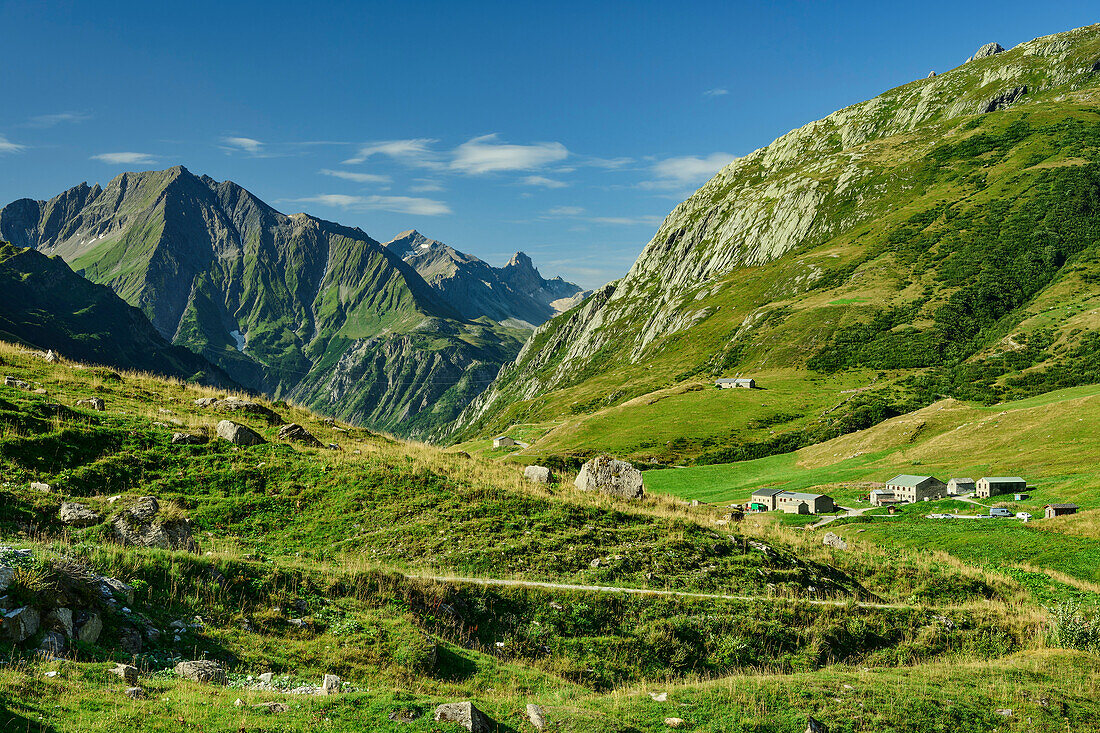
278	301
731	279
48	306
515	294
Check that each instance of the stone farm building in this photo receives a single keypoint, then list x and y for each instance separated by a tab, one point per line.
992	485
503	441
791	502
960	486
908	488
1057	510
739	383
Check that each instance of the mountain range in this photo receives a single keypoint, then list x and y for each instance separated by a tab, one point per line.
293	306
939	239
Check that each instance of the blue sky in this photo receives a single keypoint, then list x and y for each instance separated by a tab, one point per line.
565	129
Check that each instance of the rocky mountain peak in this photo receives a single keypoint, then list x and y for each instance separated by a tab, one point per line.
521	260
989	49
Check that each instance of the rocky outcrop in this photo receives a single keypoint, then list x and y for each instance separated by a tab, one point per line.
989	49
202	670
607	475
144	525
537	474
1004	99
465	715
20	624
238	434
78	515
297	434
248	407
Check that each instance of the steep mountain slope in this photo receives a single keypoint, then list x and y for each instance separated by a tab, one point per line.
291	305
515	294
928	240
48	306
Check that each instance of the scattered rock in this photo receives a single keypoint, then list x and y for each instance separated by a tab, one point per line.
833	540
40	390
989	49
13	382
20	624
659	696
674	722
247	407
89	631
78	515
144	526
610	476
187	439
238	434
1004	99
537	474
111	588
330	685
206	402
403	716
51	357
272	707
332	446
39	486
60	620
1004	712
112	499
266	678
298	434
464	714
238	703
534	714
135	693
129	640
128	672
931	74
815	726
202	670
94	403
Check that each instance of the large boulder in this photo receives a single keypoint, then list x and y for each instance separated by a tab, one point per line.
834	540
298	434
78	515
464	714
610	476
238	434
144	525
202	670
61	621
89	631
989	49
127	672
20	624
537	474
248	407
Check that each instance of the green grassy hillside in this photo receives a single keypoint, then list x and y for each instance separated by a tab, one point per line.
907	245
320	560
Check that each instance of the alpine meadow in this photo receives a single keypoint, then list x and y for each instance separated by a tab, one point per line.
826	458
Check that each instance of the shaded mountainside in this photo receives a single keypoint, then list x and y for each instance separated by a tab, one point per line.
280	302
938	239
48	306
515	294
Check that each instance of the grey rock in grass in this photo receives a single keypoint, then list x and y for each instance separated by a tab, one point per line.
187	439
51	357
272	707
248	407
60	620
674	722
1004	99
206	402
607	475
537	474
202	670
833	540
143	525
815	726
39	486
464	714
238	434
989	49
266	678
135	693
298	434
128	672
330	685
78	515
21	624
534	714
94	403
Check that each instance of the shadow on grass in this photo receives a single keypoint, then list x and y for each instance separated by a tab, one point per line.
16	723
453	667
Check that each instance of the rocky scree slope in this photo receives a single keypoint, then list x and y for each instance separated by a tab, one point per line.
880	215
515	294
293	306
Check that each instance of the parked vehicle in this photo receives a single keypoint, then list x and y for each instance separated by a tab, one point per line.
999	511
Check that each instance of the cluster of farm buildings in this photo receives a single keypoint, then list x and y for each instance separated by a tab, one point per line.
902	489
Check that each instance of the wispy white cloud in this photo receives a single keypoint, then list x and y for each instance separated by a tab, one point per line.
580	214
686	171
57	119
544	182
425	185
415	151
716	92
7	146
485	155
396	204
246	144
611	164
565	211
357	177
125	158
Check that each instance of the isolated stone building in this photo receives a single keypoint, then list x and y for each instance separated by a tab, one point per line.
908	488
739	383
